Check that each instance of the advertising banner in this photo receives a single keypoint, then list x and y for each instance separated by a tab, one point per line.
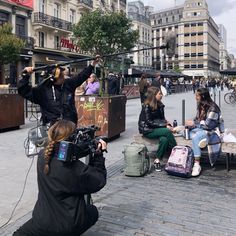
26	3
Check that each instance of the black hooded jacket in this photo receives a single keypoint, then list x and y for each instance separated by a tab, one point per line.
150	119
56	101
60	208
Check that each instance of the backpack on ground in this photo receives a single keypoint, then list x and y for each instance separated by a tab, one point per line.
180	162
137	161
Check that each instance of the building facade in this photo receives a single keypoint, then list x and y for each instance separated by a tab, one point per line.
140	16
48	24
19	16
197	48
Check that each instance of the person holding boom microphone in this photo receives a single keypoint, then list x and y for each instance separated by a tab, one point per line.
60	208
56	95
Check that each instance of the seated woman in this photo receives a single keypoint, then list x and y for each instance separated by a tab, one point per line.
153	125
60	208
203	127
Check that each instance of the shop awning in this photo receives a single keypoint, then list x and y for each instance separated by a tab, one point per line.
57	58
230	71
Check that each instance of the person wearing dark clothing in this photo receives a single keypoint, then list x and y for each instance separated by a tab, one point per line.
143	86
60	208
113	84
157	81
56	98
153	124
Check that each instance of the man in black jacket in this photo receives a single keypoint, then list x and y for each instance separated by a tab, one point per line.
56	98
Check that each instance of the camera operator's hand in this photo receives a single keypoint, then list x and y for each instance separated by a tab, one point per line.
28	70
96	61
102	146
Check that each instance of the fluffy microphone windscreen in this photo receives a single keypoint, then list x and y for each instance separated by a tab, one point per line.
170	40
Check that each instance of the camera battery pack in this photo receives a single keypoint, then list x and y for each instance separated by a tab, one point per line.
65	151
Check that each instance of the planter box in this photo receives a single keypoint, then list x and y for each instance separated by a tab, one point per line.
11	111
108	113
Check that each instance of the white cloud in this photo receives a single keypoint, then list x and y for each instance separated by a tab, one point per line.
222	11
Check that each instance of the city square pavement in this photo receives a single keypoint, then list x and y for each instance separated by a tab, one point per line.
156	204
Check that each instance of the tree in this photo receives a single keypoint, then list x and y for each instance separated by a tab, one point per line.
10	47
105	33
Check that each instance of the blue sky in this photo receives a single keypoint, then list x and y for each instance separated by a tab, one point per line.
222	11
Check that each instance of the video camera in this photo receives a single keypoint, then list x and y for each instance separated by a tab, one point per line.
80	144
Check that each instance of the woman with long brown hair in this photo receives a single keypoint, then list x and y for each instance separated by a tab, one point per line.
202	129
60	208
153	124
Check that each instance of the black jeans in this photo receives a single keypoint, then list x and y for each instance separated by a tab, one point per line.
28	229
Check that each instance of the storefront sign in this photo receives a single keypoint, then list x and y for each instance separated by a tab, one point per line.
26	3
65	43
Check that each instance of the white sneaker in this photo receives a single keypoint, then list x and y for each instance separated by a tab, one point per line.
196	169
202	143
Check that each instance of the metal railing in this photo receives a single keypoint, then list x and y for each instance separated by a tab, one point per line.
86	2
29	41
52	21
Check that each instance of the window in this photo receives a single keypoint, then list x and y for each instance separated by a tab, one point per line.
186	66
200	24
193	55
193	66
193	44
193	34
186	55
42	6
200	43
187	44
186	35
193	25
200	33
200	65
195	13
72	16
56	42
57	10
166	19
200	54
20	25
186	25
41	39
4	17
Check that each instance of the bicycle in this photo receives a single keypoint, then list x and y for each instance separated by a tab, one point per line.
230	98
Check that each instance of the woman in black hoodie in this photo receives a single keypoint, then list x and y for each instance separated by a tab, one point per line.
61	208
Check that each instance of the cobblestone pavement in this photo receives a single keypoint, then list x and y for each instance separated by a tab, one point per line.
156	204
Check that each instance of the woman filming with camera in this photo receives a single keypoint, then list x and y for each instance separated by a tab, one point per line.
60	208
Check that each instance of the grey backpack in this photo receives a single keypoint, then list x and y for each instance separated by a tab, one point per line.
137	161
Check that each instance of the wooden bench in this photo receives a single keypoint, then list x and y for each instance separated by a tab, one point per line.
229	148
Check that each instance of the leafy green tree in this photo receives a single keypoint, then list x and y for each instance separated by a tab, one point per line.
10	47
105	33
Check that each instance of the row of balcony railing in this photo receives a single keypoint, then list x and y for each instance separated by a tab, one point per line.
29	41
52	21
86	2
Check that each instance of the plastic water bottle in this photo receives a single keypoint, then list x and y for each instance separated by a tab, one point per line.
175	123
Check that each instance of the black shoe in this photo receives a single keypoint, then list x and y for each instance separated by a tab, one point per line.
157	166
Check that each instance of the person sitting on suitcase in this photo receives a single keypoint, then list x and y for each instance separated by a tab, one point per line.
153	124
203	127
60	208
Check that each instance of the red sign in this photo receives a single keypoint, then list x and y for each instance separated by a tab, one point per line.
26	3
65	43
